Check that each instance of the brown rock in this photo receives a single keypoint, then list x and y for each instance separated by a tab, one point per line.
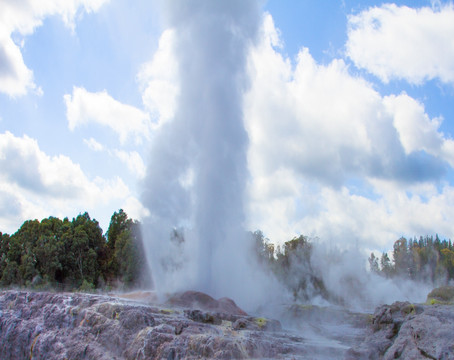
201	301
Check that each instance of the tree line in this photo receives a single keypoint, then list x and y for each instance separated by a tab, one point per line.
55	253
427	259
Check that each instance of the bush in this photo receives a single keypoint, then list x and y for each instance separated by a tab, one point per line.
87	287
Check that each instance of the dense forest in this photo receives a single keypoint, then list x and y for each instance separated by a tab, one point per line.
428	259
75	254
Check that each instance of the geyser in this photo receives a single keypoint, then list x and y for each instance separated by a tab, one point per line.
197	172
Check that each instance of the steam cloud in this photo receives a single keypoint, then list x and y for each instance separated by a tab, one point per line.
196	180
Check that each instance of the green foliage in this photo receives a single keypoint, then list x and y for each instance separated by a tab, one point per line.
119	223
127	261
73	254
86	287
428	259
10	275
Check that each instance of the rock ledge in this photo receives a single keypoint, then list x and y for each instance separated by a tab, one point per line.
407	331
83	326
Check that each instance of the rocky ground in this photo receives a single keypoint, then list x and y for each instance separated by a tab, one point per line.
407	331
192	325
189	326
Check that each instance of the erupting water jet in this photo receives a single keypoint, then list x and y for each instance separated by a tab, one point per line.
196	180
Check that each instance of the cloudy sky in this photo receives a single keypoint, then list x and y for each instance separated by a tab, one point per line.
349	113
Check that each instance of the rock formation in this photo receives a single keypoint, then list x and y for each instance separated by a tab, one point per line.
193	325
82	326
407	331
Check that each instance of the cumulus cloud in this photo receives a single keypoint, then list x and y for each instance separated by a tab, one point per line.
22	17
15	77
399	42
83	107
133	161
324	142
36	185
347	218
134	208
334	124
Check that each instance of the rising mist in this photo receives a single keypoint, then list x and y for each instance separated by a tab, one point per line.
197	174
195	186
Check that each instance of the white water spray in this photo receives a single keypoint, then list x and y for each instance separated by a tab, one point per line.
198	163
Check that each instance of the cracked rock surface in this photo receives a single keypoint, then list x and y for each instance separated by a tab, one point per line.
406	331
40	325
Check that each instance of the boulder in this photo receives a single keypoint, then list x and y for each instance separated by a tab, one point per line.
407	331
202	301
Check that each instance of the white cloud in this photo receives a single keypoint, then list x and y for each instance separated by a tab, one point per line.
395	42
158	79
15	78
37	185
135	209
133	161
127	121
23	17
416	130
93	144
330	157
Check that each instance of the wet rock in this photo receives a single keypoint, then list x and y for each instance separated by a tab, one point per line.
407	331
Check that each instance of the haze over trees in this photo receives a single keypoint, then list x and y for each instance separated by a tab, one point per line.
298	266
70	255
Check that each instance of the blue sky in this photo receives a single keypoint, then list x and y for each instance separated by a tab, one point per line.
349	115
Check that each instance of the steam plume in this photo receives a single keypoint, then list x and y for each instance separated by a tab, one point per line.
198	165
